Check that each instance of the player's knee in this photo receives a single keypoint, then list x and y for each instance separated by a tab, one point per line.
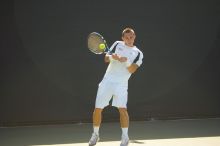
98	110
122	111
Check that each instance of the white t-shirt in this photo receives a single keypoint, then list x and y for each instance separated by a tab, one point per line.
117	71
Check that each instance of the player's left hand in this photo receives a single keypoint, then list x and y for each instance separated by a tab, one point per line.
123	59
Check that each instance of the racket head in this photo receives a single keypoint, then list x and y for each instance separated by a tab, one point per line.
94	40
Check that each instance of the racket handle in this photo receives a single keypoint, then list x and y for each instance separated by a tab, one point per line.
107	51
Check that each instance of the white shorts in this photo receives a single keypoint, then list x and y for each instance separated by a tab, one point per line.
108	90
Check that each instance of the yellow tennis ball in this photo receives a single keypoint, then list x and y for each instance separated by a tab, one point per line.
102	46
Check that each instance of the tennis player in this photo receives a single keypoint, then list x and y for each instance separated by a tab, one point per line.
124	60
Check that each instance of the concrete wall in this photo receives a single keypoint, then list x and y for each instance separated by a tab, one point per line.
49	76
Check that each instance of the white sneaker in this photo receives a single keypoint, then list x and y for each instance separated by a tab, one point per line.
94	139
124	141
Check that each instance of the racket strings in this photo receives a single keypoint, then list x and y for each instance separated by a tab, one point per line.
94	40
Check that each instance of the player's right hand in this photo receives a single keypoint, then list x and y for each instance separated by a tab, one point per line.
115	56
123	59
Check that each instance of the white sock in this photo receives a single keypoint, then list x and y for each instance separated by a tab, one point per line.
125	132
96	130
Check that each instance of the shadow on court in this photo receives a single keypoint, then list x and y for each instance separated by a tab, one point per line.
80	133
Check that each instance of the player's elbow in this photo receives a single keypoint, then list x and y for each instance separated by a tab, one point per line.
132	68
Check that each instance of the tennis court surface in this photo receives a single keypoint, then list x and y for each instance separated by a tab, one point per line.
197	132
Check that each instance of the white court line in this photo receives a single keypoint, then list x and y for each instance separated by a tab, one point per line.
198	141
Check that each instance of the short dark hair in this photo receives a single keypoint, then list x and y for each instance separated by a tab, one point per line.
127	30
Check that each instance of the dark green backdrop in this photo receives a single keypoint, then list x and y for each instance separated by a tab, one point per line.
49	76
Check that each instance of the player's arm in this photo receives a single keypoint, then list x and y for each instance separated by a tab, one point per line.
108	57
132	68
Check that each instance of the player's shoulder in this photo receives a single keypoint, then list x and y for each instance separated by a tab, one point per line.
119	42
137	49
139	52
116	43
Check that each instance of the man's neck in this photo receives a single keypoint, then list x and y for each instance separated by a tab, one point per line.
131	46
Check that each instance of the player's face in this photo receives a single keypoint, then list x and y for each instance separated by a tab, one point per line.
129	38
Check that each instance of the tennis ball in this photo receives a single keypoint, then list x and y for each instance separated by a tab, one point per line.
102	46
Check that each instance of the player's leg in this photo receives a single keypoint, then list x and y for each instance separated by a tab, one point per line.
124	120
97	117
120	101
103	97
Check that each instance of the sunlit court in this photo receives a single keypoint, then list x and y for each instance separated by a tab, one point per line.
201	141
201	132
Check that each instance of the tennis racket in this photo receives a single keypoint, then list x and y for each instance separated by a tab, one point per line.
97	43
